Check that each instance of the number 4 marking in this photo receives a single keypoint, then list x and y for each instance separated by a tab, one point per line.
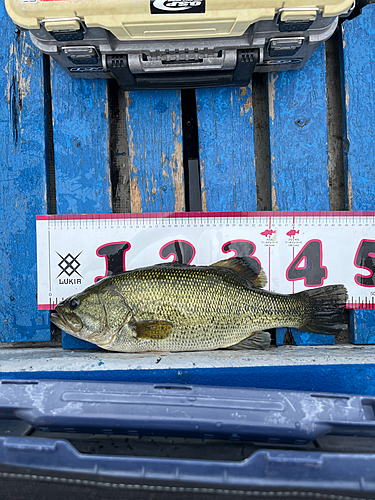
307	265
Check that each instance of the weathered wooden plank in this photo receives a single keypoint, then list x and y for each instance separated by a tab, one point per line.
23	183
299	154
155	151
359	75
81	139
226	149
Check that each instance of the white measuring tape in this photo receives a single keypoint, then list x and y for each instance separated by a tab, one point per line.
297	250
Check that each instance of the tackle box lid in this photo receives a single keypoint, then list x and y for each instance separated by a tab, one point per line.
41	420
166	19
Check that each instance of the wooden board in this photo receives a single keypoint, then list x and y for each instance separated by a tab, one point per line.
359	78
155	151
299	154
226	149
23	183
81	138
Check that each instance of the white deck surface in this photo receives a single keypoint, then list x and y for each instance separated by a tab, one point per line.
57	359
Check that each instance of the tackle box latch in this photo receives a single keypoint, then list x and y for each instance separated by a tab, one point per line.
299	19
284	47
81	55
65	29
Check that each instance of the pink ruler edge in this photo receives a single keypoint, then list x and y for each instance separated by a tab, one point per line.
204	215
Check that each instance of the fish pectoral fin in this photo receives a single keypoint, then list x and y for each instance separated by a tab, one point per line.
152	329
247	267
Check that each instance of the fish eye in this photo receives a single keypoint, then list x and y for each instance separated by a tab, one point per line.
74	303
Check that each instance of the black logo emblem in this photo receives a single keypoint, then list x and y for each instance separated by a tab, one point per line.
69	264
174	7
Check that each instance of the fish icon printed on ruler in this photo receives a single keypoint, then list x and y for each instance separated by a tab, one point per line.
268	233
269	239
293	239
292	233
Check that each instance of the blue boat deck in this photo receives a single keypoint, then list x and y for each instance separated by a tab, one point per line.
299	140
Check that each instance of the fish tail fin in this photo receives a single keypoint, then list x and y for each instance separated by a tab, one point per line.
326	309
259	340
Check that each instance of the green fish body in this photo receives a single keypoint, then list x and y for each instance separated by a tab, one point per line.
173	307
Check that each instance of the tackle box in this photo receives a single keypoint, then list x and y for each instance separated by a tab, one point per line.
151	44
139	441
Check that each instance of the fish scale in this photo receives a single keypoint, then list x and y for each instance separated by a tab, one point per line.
173	307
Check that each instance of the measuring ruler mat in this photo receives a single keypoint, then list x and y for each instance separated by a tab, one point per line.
297	250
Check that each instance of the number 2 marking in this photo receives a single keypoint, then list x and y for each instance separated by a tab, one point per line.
182	251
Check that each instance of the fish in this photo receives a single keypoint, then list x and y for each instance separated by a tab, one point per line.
173	307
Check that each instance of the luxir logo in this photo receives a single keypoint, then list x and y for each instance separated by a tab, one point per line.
69	265
174	7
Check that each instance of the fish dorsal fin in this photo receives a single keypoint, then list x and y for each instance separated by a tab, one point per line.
152	329
247	267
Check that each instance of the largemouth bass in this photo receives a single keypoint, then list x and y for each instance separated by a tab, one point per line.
176	307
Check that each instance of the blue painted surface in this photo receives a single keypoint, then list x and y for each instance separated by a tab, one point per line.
226	149
23	183
70	342
155	151
344	379
299	154
359	79
81	138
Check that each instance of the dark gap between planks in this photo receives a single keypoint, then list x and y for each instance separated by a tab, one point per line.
118	149
190	144
50	179
49	146
335	125
262	140
334	74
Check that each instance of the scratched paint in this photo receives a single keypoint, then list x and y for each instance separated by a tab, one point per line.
299	153
359	74
226	148
155	151
81	141
23	183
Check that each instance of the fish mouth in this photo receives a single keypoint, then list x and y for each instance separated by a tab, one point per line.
67	321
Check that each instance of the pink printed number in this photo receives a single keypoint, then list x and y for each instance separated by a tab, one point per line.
243	248
365	259
308	265
183	251
114	254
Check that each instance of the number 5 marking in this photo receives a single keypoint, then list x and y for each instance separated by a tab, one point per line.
365	259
